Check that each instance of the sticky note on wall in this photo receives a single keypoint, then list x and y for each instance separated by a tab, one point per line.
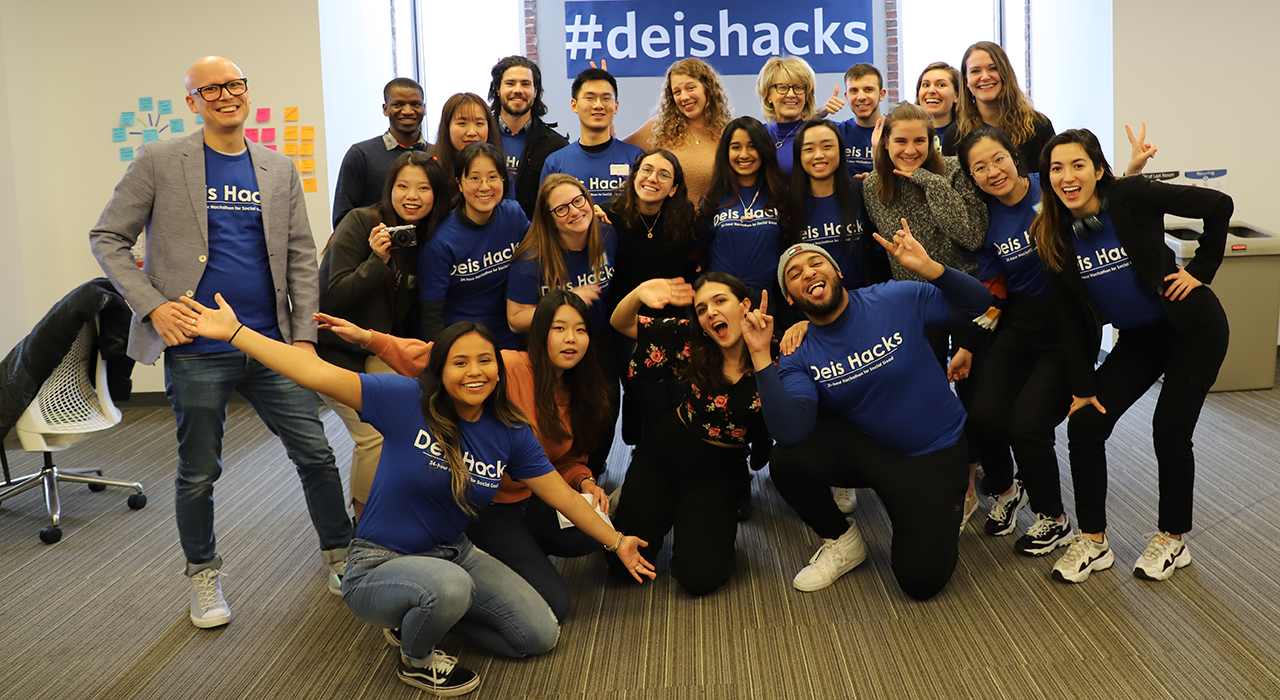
291	133
251	134
308	184
290	149
307	148
307	165
176	126
268	134
166	106
308	132
117	134
291	114
264	114
126	119
149	135
126	153
144	104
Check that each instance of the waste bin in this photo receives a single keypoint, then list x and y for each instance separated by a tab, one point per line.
1248	285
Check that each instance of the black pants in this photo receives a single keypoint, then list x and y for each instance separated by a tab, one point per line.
678	482
924	496
610	357
1021	395
943	342
521	535
1189	360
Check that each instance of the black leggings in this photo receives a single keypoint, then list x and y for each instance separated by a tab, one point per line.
677	481
924	496
1189	360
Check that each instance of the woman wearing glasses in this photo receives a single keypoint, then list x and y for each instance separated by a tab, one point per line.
463	269
786	88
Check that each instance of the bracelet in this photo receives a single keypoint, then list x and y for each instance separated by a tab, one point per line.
616	543
585	479
233	335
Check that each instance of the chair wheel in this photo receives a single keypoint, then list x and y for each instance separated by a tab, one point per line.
137	501
97	488
50	535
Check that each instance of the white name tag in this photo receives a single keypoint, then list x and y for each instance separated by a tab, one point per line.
623	169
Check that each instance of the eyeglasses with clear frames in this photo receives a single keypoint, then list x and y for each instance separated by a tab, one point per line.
648	170
604	100
579	202
476	180
210	93
997	163
782	89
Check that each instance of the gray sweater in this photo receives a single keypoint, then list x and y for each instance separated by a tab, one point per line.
944	211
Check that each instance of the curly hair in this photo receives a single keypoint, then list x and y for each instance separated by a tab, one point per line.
671	124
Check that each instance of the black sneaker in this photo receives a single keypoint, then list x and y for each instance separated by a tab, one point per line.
443	676
1044	537
1003	517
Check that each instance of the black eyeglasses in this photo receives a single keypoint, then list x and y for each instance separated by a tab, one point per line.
579	202
235	88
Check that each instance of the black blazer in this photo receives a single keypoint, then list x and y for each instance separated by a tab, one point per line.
1137	207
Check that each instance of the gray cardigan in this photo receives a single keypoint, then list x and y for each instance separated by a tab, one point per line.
945	213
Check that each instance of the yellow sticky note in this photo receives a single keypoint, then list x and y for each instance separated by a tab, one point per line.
290	149
291	133
307	165
307	148
291	115
308	184
308	132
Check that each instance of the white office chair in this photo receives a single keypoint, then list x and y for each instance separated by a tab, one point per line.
67	407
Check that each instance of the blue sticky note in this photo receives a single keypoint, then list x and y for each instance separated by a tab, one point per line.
149	135
117	134
126	153
199	119
175	126
166	106
126	119
144	104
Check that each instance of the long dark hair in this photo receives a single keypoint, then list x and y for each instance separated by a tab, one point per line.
1049	226
537	108
996	134
384	212
887	185
678	214
724	181
706	361
441	415
584	383
802	200
443	147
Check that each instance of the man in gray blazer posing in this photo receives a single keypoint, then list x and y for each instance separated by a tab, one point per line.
222	215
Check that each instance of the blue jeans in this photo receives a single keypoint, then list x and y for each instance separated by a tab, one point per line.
452	586
199	388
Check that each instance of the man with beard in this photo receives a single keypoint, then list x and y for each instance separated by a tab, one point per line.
515	94
364	168
863	403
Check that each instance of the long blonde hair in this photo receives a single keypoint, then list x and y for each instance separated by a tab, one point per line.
671	124
544	243
1014	111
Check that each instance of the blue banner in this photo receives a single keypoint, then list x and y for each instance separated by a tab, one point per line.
640	38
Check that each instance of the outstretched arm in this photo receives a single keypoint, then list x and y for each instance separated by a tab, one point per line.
657	294
553	490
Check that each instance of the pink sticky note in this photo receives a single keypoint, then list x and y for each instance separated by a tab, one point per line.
264	114
271	147
251	134
269	134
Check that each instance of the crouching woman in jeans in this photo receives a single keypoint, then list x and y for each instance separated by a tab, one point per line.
448	436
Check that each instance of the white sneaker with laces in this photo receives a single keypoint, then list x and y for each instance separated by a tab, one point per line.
208	607
846	499
1083	557
1162	557
970	506
833	559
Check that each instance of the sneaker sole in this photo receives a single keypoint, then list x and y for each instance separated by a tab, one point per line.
205	623
1179	562
442	692
390	637
809	587
1100	565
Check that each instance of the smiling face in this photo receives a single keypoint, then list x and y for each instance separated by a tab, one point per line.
567	340
469	124
481	187
595	105
470	374
937	95
743	158
863	95
652	186
516	91
577	218
720	313
1074	179
813	285
982	77
993	169
908	144
227	113
820	153
405	110
788	106
689	95
411	194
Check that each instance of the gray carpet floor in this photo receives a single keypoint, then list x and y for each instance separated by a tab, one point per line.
103	614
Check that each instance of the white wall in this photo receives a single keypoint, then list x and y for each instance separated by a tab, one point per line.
457	60
58	165
941	30
1071	69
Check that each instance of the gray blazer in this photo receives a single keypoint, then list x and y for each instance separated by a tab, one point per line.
164	190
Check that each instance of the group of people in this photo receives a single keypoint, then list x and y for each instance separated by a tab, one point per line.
794	291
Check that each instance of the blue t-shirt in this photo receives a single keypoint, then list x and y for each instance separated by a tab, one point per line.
784	137
1111	282
746	237
238	265
601	173
873	367
526	286
857	145
825	230
411	507
1008	247
466	266
513	144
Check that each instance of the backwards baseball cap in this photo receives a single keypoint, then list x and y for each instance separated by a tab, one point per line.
794	251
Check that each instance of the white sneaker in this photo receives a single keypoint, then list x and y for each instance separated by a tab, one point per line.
335	577
833	559
846	499
208	607
970	506
1083	557
1162	556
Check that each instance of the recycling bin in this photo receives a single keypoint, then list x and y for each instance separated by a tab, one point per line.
1248	285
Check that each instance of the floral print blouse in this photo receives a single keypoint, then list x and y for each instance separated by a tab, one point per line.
732	418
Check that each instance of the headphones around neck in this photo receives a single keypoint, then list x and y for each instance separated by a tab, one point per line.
1090	224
